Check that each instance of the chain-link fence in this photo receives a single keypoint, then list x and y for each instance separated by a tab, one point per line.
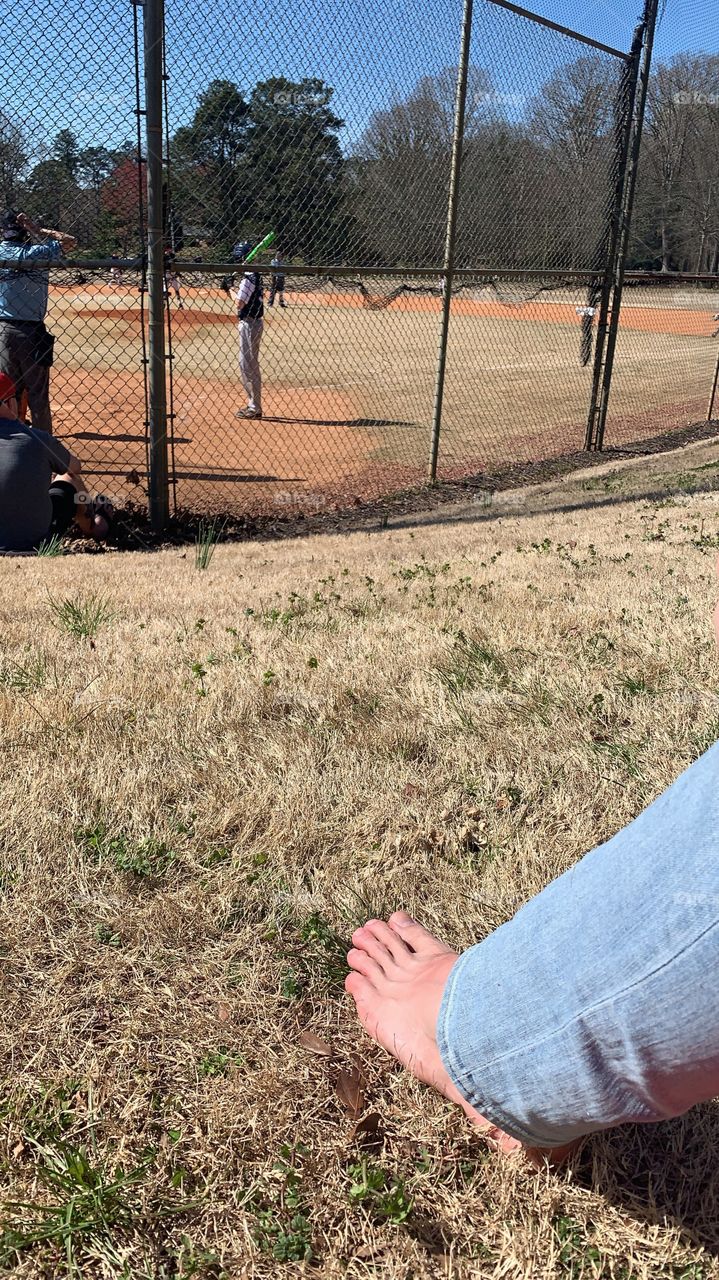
446	191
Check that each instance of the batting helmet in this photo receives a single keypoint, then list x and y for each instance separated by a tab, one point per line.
241	250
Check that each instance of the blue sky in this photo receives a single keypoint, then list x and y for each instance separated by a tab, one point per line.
78	72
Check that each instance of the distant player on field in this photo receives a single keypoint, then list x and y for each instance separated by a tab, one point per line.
278	281
172	280
115	272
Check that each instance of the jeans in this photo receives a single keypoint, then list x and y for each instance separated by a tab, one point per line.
250	339
62	496
18	358
598	1003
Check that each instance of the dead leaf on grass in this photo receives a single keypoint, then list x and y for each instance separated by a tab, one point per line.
366	1251
368	1127
223	1013
350	1087
411	791
308	1040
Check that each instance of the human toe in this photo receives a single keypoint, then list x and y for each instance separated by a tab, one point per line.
364	963
388	938
416	936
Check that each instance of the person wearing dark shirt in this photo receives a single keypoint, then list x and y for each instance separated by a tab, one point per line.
41	490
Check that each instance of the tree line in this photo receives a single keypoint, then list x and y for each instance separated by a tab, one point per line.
538	174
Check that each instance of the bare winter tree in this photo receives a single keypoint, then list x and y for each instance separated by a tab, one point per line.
13	159
666	140
573	121
403	164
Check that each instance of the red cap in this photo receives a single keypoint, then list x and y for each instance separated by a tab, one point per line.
7	387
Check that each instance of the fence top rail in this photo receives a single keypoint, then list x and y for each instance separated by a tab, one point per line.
415	273
565	31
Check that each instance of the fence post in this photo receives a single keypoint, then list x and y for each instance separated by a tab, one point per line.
628	92
651	10
158	490
452	207
713	396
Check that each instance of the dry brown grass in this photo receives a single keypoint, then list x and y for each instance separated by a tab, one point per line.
244	763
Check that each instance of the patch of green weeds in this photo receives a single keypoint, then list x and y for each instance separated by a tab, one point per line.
575	1250
46	1113
215	856
325	950
218	1062
422	569
316	955
706	541
292	985
199	671
599	646
634	686
106	936
194	1263
285	615
383	1195
89	1204
658	534
284	1230
144	858
83	616
607	484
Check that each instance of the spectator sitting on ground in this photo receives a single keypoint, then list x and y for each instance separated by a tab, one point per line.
41	492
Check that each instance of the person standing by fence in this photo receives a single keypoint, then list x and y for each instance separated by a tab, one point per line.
26	347
278	281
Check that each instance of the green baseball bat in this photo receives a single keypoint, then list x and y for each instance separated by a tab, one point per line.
264	244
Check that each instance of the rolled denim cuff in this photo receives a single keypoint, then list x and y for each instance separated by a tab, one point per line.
459	1038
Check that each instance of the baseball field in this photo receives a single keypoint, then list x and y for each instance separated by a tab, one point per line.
348	388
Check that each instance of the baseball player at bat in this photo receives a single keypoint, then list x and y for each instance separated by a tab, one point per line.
250	322
250	313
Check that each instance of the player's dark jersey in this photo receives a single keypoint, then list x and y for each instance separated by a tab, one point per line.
254	309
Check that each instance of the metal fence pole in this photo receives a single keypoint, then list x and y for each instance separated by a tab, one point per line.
628	87
651	10
452	207
159	496
713	396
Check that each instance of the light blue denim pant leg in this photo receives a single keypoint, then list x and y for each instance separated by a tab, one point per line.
598	1003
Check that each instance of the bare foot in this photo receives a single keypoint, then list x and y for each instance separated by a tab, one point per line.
399	973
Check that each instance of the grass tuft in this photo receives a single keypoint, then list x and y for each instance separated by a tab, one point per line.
208	535
83	616
52	547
